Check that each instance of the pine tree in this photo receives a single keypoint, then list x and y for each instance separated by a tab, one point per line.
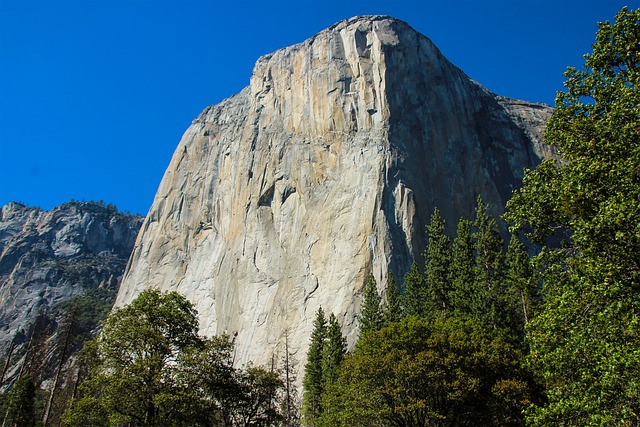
20	410
371	317
461	270
437	261
312	383
333	352
416	302
488	295
392	309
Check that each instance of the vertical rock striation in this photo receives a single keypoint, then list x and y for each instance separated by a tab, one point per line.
282	198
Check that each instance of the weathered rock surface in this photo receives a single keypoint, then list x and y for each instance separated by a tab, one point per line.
47	257
282	198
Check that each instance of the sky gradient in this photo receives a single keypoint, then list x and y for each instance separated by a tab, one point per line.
95	95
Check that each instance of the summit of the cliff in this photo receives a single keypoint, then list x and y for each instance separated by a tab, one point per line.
338	150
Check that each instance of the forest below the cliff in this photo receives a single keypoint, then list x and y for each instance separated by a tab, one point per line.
541	330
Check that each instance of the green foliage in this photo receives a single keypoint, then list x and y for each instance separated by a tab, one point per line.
326	353
333	351
437	261
149	367
461	270
585	342
523	296
427	373
415	298
20	406
392	308
371	317
92	307
312	383
487	297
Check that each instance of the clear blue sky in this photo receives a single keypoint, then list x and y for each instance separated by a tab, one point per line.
95	95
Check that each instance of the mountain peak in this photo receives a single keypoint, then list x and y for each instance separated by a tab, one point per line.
284	197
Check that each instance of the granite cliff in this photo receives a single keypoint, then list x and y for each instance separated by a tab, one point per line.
48	257
282	198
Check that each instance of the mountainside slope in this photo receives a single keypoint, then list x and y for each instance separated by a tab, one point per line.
328	165
48	257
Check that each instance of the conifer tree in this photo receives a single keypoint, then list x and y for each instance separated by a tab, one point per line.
371	317
461	270
392	309
20	411
333	352
437	261
312	382
416	302
488	295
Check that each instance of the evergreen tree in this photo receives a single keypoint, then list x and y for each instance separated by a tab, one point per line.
461	270
312	383
371	317
392	309
437	261
20	411
488	291
333	352
415	299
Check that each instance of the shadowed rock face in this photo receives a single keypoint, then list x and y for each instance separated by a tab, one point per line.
328	165
47	257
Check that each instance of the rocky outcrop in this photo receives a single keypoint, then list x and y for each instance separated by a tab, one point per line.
47	257
282	198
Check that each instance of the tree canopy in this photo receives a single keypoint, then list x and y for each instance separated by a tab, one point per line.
149	367
420	372
585	342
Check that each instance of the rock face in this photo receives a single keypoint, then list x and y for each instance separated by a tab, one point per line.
282	198
47	257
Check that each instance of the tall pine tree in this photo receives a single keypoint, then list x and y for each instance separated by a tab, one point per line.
437	261
461	273
313	383
392	308
488	293
415	298
371	317
333	352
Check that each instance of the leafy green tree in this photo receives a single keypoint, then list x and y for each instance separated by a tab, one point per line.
257	403
312	383
461	270
488	290
416	300
437	261
585	341
371	318
523	295
209	370
392	308
134	361
430	373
